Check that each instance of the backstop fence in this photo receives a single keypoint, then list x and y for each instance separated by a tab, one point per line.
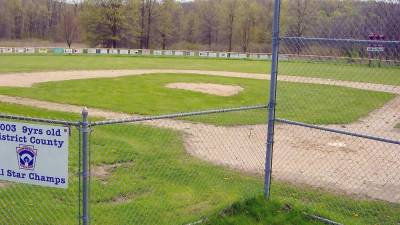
331	148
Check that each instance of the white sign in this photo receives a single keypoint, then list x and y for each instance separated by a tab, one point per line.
91	51
68	51
168	52
30	50
234	55
7	50
42	50
124	51
203	54
242	56
78	51
157	52
179	53
283	57
19	50
264	56
223	55
146	52
212	54
114	51
253	56
134	52
375	49
34	154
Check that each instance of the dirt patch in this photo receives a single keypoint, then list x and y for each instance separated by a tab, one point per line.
207	88
4	184
129	197
102	172
123	198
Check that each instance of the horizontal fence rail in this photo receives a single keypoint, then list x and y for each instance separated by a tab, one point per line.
40	120
341	41
353	134
176	115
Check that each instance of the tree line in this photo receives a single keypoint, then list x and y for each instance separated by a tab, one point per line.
223	25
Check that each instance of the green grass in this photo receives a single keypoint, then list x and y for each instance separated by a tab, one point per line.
147	95
152	180
162	183
257	211
295	205
158	183
339	71
339	208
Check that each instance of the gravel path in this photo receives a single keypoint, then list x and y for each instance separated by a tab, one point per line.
303	156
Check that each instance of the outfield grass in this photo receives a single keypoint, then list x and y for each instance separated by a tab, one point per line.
339	71
153	181
147	95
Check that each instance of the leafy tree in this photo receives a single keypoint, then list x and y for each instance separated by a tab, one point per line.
105	22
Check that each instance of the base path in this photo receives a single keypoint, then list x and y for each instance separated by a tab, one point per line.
29	79
339	163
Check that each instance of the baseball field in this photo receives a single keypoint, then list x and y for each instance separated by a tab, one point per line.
182	170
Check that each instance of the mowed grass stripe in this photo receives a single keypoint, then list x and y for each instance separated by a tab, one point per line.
337	71
147	95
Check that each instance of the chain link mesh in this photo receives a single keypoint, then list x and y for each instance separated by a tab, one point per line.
336	152
175	171
29	204
350	62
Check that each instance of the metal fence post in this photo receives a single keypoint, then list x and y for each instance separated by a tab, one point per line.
85	172
272	99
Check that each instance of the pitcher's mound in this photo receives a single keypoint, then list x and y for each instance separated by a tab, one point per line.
214	89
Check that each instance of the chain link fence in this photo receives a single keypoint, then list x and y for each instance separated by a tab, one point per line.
175	169
168	169
331	148
29	204
350	147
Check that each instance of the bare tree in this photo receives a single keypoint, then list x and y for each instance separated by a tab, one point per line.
69	22
142	24
208	23
247	22
231	6
299	20
150	8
